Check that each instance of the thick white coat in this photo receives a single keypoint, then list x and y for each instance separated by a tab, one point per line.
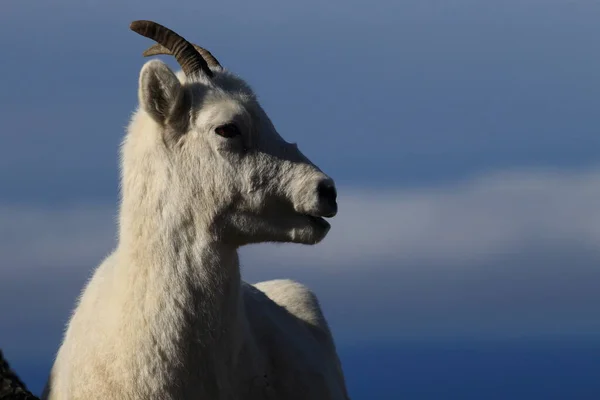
166	315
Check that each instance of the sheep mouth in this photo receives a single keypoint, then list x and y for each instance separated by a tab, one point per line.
317	221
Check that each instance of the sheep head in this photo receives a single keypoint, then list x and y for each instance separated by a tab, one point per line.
225	161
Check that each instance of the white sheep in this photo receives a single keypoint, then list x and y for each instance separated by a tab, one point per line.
166	315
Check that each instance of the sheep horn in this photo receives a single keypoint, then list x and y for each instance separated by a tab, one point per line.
187	56
158	49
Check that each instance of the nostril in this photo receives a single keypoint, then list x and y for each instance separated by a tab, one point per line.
326	190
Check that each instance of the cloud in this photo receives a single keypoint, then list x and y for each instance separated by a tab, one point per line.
468	223
32	238
506	253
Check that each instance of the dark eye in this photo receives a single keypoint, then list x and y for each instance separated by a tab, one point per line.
227	130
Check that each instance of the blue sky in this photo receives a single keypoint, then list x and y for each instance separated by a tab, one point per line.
463	136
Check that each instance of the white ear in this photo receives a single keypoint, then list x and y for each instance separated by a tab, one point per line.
159	90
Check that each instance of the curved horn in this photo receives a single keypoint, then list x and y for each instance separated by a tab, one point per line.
184	52
158	49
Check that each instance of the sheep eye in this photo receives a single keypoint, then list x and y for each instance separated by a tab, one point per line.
227	130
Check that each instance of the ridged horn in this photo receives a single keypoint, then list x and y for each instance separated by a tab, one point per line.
159	49
187	56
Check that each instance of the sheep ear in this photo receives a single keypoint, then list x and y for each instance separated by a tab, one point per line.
161	94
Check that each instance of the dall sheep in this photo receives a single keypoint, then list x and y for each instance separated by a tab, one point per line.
166	315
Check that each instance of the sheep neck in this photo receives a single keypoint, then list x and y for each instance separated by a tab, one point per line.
186	290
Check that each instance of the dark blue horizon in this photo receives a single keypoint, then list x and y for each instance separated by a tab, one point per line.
499	369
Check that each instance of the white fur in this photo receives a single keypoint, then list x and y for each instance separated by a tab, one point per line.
166	316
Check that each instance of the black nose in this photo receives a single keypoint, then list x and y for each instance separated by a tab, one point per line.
328	196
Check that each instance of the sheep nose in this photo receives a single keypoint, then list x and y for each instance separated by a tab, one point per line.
328	198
